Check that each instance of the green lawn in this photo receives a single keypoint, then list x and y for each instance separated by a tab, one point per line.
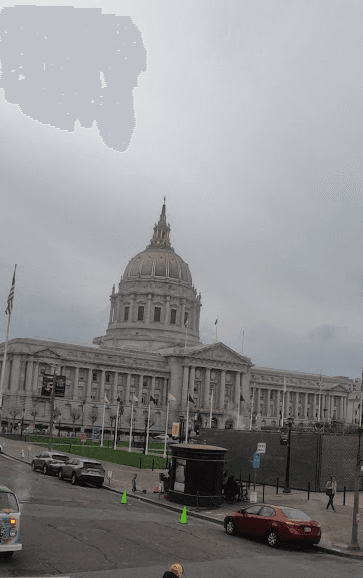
126	458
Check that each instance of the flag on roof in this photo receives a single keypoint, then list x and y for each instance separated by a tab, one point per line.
9	308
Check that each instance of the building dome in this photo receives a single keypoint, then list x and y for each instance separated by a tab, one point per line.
156	305
154	263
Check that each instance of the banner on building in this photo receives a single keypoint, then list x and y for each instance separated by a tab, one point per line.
60	386
175	429
47	385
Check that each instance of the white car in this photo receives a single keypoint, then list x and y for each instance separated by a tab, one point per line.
161	437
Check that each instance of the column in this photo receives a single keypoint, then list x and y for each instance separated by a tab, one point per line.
131	312
245	388
183	400
345	409
315	405
89	384
192	380
222	389
102	386
257	398
128	384
305	410
183	312
148	306
167	310
153	387
268	409
15	373
35	377
29	375
141	382
206	386
75	383
118	305
296	408
237	384
114	387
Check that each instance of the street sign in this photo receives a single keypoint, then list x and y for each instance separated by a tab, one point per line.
83	438
175	429
283	438
253	497
261	448
109	474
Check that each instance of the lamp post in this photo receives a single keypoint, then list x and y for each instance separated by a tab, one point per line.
354	542
52	396
287	490
22	423
59	416
181	431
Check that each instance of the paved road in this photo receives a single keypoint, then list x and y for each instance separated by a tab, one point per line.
84	532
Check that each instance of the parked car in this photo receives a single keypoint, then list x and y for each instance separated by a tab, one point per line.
80	470
28	430
161	437
49	462
276	524
9	522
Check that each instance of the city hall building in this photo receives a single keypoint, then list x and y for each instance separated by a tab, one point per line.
151	347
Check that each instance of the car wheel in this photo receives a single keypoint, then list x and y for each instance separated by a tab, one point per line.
45	470
230	527
272	539
33	466
60	474
73	479
8	554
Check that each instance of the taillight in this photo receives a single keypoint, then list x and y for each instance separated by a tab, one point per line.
12	521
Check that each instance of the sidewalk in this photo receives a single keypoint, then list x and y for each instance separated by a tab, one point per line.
336	527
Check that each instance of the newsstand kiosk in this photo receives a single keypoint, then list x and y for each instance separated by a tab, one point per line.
196	474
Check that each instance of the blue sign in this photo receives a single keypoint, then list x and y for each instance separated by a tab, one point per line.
256	460
96	433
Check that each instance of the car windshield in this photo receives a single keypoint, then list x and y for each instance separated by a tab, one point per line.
92	465
295	514
59	457
8	502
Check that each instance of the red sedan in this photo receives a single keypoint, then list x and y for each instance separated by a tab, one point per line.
274	523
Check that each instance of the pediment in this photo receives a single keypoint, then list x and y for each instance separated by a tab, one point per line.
48	353
218	352
339	389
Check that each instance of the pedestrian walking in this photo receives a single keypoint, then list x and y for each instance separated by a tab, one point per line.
331	490
175	570
134	483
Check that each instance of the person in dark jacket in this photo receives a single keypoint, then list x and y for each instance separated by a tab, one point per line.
231	489
175	570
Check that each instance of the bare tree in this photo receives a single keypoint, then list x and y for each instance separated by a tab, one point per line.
14	413
75	414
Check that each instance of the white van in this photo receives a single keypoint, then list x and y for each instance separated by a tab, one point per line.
9	522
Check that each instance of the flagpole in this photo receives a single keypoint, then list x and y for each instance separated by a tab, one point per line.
132	415
253	396
211	404
187	421
243	338
186	334
4	363
361	399
147	431
166	426
216	324
7	312
116	426
283	403
103	422
239	407
320	383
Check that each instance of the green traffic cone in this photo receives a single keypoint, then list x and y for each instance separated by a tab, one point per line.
124	498
183	517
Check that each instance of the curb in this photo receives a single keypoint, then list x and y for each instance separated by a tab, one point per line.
326	549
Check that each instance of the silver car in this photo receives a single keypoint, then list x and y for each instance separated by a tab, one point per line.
83	470
49	462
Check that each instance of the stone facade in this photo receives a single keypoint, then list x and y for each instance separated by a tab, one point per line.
151	348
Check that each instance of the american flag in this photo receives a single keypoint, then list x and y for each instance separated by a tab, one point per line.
9	308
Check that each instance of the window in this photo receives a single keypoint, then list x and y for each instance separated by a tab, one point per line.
267	511
140	313
81	393
157	313
107	378
185	317
94	375
173	316
126	313
271	395
81	374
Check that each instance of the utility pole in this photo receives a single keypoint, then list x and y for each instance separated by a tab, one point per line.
354	542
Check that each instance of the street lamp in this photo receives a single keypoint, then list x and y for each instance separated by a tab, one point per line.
59	418
181	430
287	490
354	542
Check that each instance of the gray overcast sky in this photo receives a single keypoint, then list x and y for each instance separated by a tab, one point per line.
249	120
